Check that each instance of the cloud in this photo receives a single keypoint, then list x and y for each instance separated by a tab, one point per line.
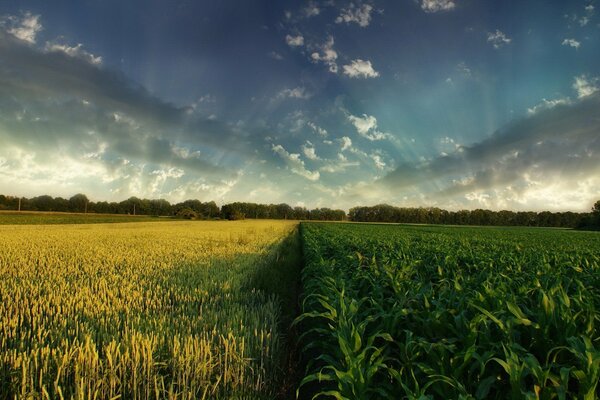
585	86
76	51
571	42
295	93
360	15
360	69
378	161
547	104
498	39
294	41
431	6
589	10
25	28
312	10
366	126
295	164
551	148
275	56
327	55
320	131
346	143
341	164
309	151
61	109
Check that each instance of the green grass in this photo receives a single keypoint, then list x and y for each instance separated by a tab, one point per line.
421	312
52	218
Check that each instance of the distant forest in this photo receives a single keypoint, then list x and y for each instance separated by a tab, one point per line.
195	209
191	209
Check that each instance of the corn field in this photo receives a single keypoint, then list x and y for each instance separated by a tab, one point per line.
400	312
139	311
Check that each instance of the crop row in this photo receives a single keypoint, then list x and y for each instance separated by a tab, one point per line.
430	312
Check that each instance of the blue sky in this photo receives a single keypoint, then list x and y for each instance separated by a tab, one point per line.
449	103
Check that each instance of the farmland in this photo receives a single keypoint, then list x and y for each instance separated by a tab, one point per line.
421	312
52	218
180	310
198	309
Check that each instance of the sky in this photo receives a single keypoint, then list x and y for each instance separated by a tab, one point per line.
458	104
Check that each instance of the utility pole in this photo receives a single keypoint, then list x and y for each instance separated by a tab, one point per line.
133	208
86	203
19	204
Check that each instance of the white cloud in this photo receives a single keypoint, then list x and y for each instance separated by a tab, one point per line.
498	39
312	10
275	56
346	143
295	93
379	163
548	104
584	19
161	176
571	42
360	15
431	6
366	126
360	69
317	129
327	55
583	86
339	165
535	162
25	28
76	51
294	41
309	151
295	164
586	86
363	124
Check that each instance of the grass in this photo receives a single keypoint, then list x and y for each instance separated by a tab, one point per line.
52	218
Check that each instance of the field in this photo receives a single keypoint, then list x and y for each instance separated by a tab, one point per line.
51	218
419	312
177	310
202	310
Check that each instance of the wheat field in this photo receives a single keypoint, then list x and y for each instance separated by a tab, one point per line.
139	310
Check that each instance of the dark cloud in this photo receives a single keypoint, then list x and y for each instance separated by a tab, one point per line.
50	98
561	142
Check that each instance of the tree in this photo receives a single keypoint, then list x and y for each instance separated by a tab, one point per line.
78	203
596	213
187	213
43	203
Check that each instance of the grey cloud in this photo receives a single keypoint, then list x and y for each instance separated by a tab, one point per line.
50	99
563	141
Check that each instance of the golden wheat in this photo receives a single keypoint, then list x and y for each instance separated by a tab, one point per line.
137	311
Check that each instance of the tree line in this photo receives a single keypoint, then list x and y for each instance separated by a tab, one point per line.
195	209
433	215
191	209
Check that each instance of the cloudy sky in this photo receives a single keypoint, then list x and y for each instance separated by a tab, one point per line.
449	103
